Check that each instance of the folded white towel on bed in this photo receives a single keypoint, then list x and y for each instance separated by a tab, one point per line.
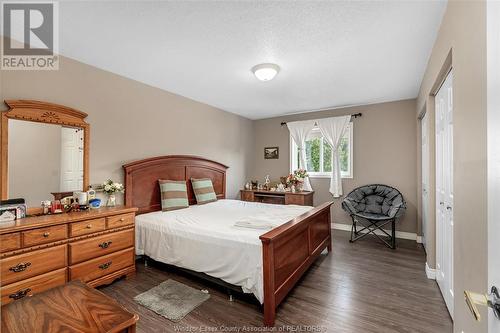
256	223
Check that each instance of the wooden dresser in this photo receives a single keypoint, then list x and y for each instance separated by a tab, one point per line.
281	198
42	252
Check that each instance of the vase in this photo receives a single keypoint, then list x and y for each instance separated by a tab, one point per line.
111	200
299	187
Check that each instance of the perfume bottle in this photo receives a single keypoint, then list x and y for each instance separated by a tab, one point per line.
45	207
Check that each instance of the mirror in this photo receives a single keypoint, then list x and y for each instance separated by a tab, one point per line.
44	151
44	158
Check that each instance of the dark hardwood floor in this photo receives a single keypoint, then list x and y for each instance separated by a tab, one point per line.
360	287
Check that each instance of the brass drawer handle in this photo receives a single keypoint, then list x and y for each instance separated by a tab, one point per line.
105	265
46	234
122	219
105	245
20	267
89	226
20	294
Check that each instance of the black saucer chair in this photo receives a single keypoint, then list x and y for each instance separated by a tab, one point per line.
378	205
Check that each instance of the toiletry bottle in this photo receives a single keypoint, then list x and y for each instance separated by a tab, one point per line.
90	193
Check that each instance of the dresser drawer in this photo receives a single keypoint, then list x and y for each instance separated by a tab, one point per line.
86	227
26	265
99	246
96	268
44	235
9	242
34	285
119	220
247	196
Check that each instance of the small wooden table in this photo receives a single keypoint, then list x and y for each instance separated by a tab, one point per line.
303	198
73	307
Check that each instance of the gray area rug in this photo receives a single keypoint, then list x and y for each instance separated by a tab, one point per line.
172	300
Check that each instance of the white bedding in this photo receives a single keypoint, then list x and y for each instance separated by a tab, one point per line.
205	239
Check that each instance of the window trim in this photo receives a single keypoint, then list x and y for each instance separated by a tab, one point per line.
349	175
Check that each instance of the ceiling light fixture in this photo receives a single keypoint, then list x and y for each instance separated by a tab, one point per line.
265	72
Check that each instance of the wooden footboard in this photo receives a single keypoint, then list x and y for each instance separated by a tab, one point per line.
288	251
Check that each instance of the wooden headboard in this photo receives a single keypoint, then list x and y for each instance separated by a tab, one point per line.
141	178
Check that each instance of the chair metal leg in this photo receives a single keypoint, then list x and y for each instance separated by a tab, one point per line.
353	230
372	228
393	238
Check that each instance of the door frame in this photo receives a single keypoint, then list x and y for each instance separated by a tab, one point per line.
425	164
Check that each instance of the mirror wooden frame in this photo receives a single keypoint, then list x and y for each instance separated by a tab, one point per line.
42	112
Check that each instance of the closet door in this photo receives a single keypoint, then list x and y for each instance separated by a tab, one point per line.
444	190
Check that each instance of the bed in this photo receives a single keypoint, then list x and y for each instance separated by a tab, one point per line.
265	262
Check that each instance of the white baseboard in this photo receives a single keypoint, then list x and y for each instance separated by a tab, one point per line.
430	272
420	240
399	234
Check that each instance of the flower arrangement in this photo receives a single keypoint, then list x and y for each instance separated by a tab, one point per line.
110	187
291	180
296	179
300	174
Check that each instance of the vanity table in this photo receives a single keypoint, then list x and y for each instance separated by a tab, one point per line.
44	150
303	198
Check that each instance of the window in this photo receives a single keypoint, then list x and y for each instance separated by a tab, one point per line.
319	154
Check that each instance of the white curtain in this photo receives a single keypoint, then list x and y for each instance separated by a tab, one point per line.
299	131
333	130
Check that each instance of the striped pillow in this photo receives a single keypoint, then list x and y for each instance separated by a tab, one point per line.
173	194
203	190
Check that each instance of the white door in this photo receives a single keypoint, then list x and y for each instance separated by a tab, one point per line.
71	159
493	129
444	190
425	177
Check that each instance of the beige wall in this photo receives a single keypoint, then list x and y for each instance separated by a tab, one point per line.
34	160
130	120
463	33
384	152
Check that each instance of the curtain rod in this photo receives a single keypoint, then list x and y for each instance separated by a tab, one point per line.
356	115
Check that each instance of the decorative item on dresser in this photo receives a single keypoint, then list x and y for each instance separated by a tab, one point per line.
110	188
276	197
40	252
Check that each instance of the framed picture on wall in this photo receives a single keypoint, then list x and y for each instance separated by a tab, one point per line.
271	153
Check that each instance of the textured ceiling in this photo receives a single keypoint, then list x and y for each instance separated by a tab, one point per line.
331	53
